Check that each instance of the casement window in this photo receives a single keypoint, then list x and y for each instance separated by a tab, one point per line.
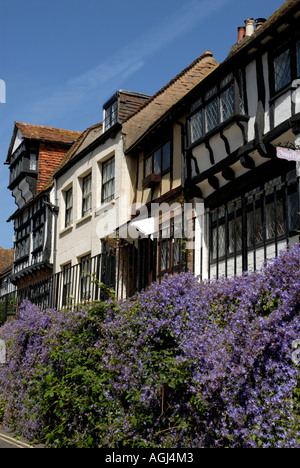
170	247
69	207
216	106
85	279
67	283
108	180
110	115
266	215
159	161
286	65
38	238
86	195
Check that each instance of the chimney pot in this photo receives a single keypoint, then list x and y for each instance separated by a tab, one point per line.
241	33
259	22
249	26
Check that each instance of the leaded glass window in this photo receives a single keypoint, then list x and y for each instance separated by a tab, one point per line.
216	106
282	70
211	115
196	126
227	103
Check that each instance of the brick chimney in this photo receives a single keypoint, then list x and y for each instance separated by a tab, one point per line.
241	33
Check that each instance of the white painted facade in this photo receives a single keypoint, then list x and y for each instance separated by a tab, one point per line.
221	166
83	236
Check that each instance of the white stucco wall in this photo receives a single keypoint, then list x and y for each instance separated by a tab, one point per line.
82	237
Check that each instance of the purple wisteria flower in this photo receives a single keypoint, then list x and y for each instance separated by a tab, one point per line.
183	364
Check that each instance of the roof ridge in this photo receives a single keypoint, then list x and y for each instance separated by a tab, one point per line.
17	123
207	53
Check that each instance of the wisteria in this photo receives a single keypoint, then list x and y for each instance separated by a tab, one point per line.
183	364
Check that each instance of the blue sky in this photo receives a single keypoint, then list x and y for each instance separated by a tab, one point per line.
62	59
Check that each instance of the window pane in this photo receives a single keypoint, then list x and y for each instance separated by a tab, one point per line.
86	185
227	104
108	181
108	191
196	126
241	92
226	80
114	113
148	166
218	242
235	235
211	113
255	227
157	162
166	156
165	255
298	58
211	92
282	69
33	162
108	170
86	205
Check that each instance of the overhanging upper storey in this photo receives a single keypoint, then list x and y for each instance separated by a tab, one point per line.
34	153
238	115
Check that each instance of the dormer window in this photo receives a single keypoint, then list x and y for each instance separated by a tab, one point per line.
110	114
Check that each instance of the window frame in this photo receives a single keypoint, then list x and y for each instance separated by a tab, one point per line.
158	153
204	102
270	201
291	44
170	249
85	279
86	207
67	283
105	184
68	208
111	112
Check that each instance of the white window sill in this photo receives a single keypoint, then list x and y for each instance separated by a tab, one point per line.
104	208
67	229
85	218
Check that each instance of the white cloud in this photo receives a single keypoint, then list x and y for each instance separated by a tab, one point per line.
127	60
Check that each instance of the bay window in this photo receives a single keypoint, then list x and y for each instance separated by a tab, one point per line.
218	105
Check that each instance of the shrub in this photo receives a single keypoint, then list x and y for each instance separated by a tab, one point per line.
183	364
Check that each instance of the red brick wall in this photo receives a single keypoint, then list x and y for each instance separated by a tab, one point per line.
50	156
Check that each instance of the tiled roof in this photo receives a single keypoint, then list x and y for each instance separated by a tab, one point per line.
135	127
6	259
87	137
41	132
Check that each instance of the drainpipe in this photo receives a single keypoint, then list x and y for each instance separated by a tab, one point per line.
183	170
55	229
